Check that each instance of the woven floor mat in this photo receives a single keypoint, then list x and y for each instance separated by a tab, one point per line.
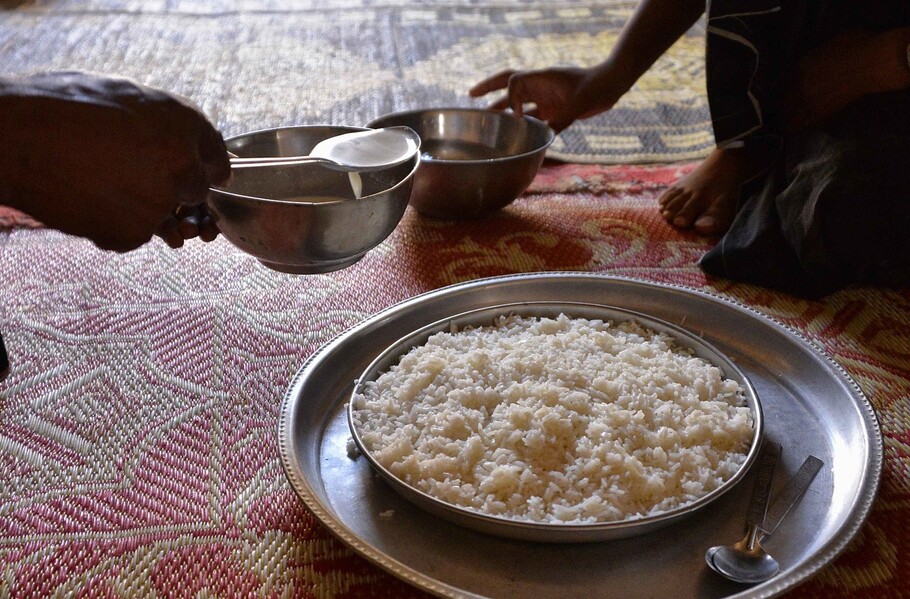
258	64
137	437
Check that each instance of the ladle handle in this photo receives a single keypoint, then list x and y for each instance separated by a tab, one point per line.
274	161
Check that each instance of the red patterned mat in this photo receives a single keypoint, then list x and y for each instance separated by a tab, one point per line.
138	428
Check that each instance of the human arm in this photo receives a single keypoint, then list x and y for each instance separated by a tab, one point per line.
106	158
843	70
563	94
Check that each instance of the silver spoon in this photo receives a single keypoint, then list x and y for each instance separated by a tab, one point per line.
361	151
789	497
745	560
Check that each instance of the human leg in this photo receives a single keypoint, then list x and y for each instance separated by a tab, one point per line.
746	43
834	210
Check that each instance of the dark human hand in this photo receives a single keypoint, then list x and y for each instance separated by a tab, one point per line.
108	159
558	95
187	222
841	71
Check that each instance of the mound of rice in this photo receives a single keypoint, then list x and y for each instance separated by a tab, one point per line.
562	420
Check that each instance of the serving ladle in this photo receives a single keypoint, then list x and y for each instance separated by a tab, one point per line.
746	561
358	151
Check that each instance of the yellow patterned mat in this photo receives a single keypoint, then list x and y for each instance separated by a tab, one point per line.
257	64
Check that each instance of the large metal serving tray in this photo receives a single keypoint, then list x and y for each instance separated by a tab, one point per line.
810	406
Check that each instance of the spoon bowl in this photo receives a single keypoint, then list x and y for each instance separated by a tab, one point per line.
744	561
357	151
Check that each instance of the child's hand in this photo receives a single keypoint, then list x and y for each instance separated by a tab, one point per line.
558	95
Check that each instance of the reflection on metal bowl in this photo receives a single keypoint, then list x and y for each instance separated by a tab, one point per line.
474	161
307	218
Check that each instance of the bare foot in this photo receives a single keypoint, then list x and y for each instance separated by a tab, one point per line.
705	200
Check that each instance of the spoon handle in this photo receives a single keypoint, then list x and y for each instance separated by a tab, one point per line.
761	493
274	161
791	494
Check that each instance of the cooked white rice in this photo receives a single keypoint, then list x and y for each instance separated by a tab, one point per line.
562	420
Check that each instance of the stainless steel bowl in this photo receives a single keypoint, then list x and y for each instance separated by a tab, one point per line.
556	532
305	219
473	161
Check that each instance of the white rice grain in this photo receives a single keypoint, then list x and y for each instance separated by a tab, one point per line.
562	420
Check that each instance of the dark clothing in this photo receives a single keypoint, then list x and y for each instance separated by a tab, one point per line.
834	209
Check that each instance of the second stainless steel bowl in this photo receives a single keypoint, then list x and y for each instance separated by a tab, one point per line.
473	161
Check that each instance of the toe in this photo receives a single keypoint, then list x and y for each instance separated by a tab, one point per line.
716	218
683	211
706	225
699	207
668	195
674	203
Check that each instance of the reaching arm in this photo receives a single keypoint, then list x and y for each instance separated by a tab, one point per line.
561	95
653	28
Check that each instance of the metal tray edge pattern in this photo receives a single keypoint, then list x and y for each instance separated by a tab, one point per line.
777	586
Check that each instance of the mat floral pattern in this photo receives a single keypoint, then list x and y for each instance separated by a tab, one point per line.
254	64
138	452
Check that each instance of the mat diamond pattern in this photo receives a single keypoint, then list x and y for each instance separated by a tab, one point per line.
253	65
137	432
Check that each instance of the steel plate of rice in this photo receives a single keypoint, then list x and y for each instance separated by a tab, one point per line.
555	420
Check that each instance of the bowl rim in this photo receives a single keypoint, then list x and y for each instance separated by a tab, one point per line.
551	134
346	128
527	530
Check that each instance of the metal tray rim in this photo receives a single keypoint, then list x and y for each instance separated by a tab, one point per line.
776	586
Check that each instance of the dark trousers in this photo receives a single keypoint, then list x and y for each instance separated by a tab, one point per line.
834	208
